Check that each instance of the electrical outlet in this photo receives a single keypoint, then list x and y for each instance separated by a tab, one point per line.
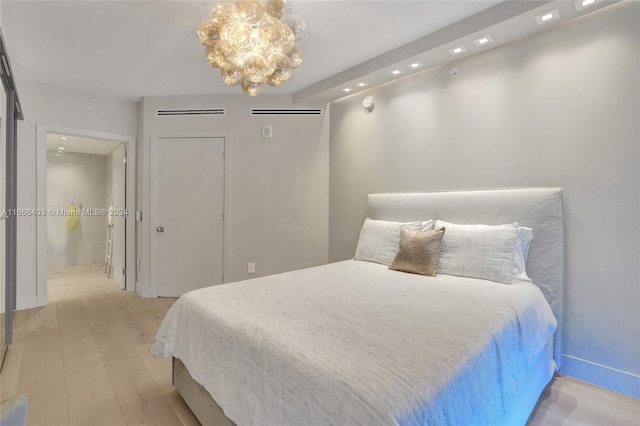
251	268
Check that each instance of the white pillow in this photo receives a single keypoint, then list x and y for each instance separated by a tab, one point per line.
478	251
379	239
523	243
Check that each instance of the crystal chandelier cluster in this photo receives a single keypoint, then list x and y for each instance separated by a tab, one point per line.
253	42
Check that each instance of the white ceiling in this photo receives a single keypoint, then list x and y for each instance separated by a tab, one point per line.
133	48
130	49
80	144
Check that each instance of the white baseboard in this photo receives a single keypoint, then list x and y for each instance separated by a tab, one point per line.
26	302
601	375
143	291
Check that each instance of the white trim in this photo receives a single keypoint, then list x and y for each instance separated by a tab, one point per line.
601	365
143	291
25	303
602	375
153	201
41	201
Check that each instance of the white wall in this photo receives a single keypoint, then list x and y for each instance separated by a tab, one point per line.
278	189
77	179
560	108
48	105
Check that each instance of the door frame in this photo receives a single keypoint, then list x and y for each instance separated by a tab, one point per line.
41	201
153	193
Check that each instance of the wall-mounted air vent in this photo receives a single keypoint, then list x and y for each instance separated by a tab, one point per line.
281	111
192	111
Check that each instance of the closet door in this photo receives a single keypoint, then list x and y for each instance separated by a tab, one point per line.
10	218
189	235
3	217
8	145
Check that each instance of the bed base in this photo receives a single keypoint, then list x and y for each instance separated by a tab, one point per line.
209	412
197	398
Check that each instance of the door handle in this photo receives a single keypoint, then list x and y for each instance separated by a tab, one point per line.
160	228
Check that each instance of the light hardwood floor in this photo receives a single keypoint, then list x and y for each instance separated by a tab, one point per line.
84	360
77	281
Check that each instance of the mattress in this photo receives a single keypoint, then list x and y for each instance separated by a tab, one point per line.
356	343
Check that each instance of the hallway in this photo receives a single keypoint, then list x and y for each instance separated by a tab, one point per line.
77	281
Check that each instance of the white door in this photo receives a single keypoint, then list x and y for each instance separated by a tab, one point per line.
190	206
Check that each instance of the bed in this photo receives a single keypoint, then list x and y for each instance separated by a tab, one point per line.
354	342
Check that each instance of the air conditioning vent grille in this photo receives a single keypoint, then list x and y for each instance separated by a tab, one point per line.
190	111
286	111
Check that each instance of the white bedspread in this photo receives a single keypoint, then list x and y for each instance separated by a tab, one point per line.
353	343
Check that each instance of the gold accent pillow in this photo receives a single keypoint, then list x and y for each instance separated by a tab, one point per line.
418	251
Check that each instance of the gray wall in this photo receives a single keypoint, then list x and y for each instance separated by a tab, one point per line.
557	109
278	189
78	179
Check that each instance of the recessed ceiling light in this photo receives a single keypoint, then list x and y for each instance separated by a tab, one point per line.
457	50
415	65
547	17
58	155
64	138
61	148
484	40
363	84
396	72
583	4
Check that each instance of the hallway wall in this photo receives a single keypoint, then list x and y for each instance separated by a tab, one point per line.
78	179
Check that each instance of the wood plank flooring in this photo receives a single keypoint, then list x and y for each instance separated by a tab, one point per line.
77	281
84	360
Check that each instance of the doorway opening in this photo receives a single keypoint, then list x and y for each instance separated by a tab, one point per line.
86	216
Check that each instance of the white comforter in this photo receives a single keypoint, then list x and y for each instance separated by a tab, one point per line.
353	343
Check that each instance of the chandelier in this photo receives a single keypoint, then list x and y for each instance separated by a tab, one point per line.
253	42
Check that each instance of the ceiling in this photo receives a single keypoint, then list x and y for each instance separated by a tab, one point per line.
135	48
79	144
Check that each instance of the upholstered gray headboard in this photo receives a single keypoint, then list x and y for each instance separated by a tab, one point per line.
537	208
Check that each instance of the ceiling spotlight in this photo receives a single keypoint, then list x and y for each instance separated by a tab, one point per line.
484	40
583	4
457	50
363	84
396	72
348	89
64	138
415	65
547	17
61	148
